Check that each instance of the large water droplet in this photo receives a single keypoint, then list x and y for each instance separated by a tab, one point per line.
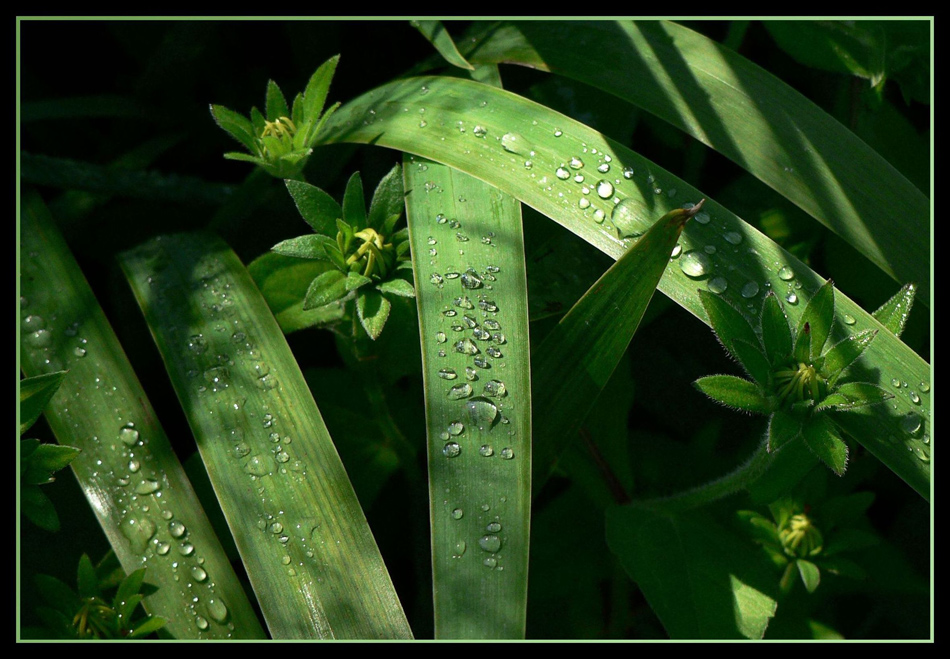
217	610
451	450
507	453
785	273
460	391
515	143
471	280
562	173
129	435
176	528
467	347
486	451
751	289
694	264
604	189
490	543
447	374
482	412
717	285
495	389
456	428
148	486
138	531
628	221
911	423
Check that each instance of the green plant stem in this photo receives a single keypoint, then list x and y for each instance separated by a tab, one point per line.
731	483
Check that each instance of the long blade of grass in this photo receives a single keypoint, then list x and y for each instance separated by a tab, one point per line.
747	114
471	292
127	468
298	526
575	361
537	156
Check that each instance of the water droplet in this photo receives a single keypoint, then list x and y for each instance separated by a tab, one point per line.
605	189
259	465
490	561
848	319
480	334
717	285
218	610
676	251
895	382
33	323
925	387
694	264
451	450
460	547
791	298
471	373
201	623
558	132
134	466
467	347
79	351
471	279
514	143
583	203
733	237
482	412
751	289
481	362
138	531
911	423
447	374
176	528
562	173
450	312
487	305
490	543
162	548
148	486
495	389
458	513
197	344
436	280
785	273
486	451
198	573
480	131
493	527
702	217
493	352
128	434
710	249
603	168
507	453
460	391
40	338
915	398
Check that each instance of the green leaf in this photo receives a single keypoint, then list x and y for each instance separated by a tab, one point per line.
276	105
131	585
57	594
315	97
399	287
819	314
783	428
338	586
38	508
147	626
283	281
789	466
310	246
245	157
811	575
318	208
575	361
856	48
753	361
728	323
437	35
86	579
734	392
328	287
844	353
236	125
894	313
355	280
45	460
854	394
35	394
387	201
373	310
776	334
701	580
354	203
823	440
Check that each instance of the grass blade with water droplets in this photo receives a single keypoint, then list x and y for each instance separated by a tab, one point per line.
468	262
304	541
538	156
127	469
730	104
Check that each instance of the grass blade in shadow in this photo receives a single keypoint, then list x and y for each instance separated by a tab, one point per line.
127	468
301	533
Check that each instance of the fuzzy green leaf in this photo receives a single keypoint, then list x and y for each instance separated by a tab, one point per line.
373	309
844	353
753	361
355	280
245	157
387	201
354	203
761	529
276	105
854	394
819	316
776	333
894	313
810	574
734	392
728	323
35	394
315	96
399	287
326	288
236	125
86	579
822	438
783	428
147	626
310	246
